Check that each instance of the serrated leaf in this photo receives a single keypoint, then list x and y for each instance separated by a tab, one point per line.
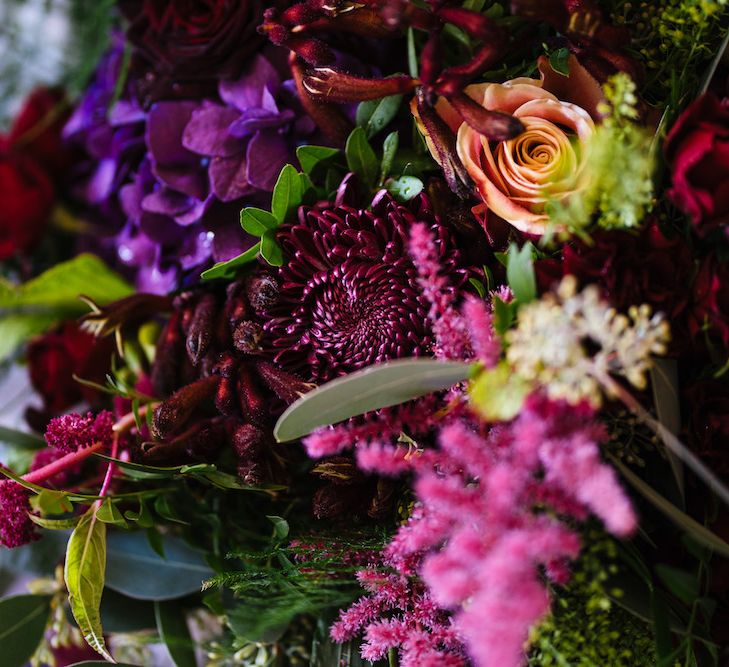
310	156
520	272
229	268
361	159
23	620
84	573
405	188
373	115
287	193
370	389
497	394
270	249
136	570
173	630
389	150
256	221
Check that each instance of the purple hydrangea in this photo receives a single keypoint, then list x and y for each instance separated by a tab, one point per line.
168	182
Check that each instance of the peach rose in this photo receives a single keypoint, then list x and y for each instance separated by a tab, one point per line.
546	162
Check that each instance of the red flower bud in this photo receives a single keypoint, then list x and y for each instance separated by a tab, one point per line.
287	386
335	86
253	405
200	333
171	415
494	125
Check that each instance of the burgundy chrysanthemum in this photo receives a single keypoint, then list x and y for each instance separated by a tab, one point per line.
349	293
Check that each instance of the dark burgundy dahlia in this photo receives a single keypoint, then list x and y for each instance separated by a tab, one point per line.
349	294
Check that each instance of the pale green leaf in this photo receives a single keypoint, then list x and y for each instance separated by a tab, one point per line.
370	389
84	572
229	268
389	150
256	221
361	159
497	394
520	272
373	115
270	249
311	156
405	188
287	193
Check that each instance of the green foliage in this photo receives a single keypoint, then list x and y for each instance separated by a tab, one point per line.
619	167
585	627
172	629
84	573
371	388
361	159
497	394
520	272
374	115
23	619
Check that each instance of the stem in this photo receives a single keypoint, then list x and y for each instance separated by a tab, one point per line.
59	465
669	439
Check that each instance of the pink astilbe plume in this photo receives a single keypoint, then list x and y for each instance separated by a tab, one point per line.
449	328
478	536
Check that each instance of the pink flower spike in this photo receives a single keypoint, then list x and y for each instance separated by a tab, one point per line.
480	324
16	528
72	432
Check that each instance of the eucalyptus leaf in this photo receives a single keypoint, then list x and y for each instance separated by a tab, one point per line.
373	115
136	570
361	159
229	269
370	389
310	156
405	188
256	221
23	620
520	272
681	519
173	630
287	193
84	573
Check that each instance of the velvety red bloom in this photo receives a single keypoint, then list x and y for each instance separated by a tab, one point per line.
710	308
194	39
27	195
36	130
697	147
55	357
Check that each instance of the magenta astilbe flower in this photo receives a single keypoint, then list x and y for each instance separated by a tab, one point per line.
72	432
484	341
16	528
349	292
451	335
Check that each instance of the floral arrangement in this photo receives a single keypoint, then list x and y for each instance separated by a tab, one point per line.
371	333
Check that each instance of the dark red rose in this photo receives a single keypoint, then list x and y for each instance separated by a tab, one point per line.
54	358
708	427
36	130
27	195
697	147
710	309
194	39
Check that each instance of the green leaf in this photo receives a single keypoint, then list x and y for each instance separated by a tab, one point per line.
503	315
497	394
373	115
478	286
361	159
23	620
108	512
559	61
520	272
280	527
143	517
311	156
412	55
21	439
173	630
54	524
684	585
84	573
405	188
256	221
99	663
16	328
61	285
229	269
270	249
287	193
50	501
136	570
681	519
122	614
372	388
389	150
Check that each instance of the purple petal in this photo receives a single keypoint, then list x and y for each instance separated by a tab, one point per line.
257	119
157	279
126	112
159	228
267	154
167	202
192	183
165	125
100	185
230	240
207	132
247	91
196	248
228	178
